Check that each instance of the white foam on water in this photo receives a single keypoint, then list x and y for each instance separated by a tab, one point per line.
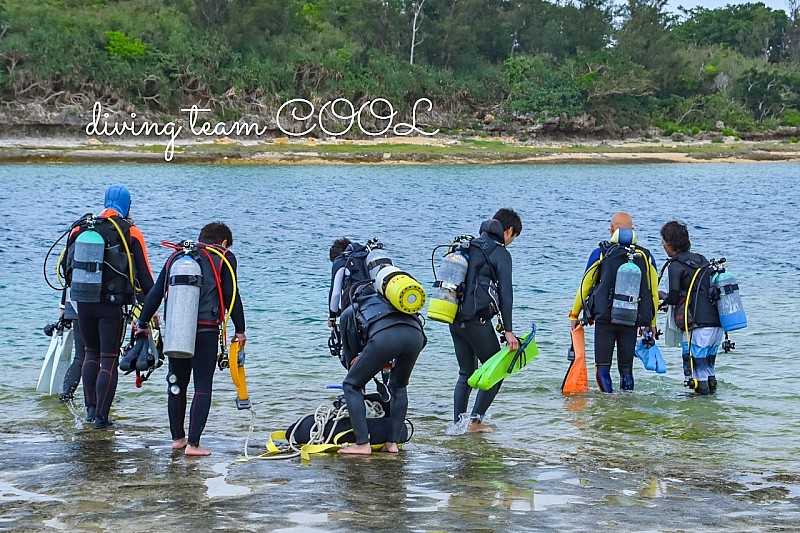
307	518
542	502
10	493
218	487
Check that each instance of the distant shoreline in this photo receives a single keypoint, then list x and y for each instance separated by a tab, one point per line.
440	150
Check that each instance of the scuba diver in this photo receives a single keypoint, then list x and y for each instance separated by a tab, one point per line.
488	291
619	294
690	289
198	282
375	333
107	269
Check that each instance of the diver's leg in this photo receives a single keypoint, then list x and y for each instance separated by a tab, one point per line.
467	363
408	342
604	340
626	350
203	364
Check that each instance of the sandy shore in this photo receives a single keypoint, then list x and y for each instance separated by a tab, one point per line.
394	150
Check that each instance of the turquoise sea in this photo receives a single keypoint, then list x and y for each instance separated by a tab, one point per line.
657	459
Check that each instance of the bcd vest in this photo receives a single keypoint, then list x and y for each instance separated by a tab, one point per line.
702	309
601	297
480	286
116	278
355	272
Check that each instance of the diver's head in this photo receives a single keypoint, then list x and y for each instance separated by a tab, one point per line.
675	238
511	222
118	198
338	247
621	219
216	233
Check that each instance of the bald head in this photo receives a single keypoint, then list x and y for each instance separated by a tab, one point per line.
621	219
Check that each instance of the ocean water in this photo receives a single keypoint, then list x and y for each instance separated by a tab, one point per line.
657	459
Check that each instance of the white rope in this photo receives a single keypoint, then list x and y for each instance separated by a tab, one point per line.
324	414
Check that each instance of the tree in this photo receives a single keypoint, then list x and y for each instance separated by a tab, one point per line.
753	30
415	23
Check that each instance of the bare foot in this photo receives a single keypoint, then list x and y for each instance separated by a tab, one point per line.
477	427
196	451
356	449
390	447
179	444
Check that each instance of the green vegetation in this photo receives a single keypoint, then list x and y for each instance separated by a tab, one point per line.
588	65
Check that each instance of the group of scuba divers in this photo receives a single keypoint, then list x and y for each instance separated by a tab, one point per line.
374	315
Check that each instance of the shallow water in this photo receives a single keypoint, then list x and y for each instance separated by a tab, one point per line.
658	459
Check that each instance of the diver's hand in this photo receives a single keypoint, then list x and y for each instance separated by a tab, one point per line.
241	338
331	323
157	320
511	339
141	332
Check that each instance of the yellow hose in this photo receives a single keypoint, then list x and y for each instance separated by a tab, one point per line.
128	254
233	295
686	321
61	281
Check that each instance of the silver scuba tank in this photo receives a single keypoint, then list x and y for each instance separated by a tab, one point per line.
183	302
86	284
446	296
625	306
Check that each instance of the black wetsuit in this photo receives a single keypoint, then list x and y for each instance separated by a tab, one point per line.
390	335
201	367
101	327
73	376
474	336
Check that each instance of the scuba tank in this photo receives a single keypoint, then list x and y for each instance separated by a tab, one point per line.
403	291
183	302
448	287
625	306
729	303
87	266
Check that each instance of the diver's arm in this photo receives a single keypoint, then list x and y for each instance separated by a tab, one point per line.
143	273
505	289
654	289
153	299
335	300
674	293
588	281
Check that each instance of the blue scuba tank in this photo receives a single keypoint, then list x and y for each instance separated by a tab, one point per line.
729	305
625	306
87	267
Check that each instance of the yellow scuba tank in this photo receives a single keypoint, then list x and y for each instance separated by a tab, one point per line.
447	289
183	302
397	286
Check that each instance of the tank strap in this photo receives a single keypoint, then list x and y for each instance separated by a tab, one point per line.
186	279
89	266
729	288
379	261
